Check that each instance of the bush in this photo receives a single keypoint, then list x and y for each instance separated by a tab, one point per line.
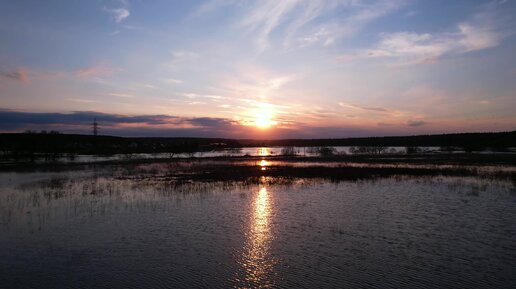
412	150
288	151
326	151
368	150
449	149
473	148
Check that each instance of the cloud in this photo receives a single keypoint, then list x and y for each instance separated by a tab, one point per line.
176	126
305	21
25	75
265	17
119	14
160	125
361	13
132	27
384	124
211	97
474	38
411	13
408	48
183	56
82	100
416	123
20	74
173	80
374	109
212	122
130	125
123	95
14	119
414	48
95	71
19	121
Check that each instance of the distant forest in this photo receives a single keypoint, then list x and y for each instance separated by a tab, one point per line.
23	144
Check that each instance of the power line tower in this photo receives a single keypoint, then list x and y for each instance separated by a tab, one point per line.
95	127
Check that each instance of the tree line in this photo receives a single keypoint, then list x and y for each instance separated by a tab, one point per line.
52	144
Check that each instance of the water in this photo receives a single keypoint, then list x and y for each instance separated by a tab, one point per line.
132	227
230	152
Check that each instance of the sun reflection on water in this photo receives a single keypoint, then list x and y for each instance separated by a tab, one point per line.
264	164
263	152
257	263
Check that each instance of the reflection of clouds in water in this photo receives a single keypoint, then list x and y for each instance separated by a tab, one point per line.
256	262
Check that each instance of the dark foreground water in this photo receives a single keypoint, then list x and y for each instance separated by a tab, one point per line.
97	229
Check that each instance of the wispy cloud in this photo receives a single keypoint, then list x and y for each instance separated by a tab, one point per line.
20	74
481	32
361	13
183	56
82	100
123	95
213	97
414	48
305	22
173	80
25	75
416	123
411	13
368	108
118	14
95	71
251	83
265	17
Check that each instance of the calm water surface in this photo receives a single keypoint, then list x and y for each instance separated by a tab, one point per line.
98	228
228	152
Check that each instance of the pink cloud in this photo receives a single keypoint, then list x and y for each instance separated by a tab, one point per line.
20	74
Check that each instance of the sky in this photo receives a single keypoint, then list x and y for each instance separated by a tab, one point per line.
258	69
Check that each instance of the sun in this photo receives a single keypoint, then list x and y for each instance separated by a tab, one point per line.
264	118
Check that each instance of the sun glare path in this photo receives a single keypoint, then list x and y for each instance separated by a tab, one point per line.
263	152
257	262
263	164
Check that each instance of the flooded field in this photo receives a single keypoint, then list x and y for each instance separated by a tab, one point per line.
226	152
258	223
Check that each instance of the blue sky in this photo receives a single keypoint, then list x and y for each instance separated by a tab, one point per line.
266	69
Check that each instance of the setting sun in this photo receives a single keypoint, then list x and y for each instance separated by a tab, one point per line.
264	118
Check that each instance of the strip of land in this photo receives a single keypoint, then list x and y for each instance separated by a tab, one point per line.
25	144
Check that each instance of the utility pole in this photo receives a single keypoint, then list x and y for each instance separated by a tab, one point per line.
95	127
